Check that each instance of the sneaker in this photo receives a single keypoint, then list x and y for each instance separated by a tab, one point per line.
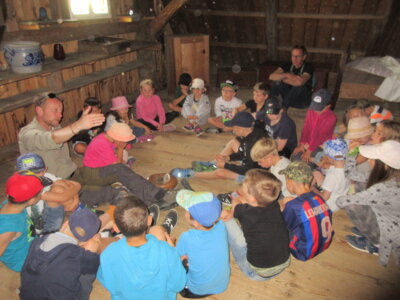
355	231
183	184
188	127
154	212
145	138
225	199
130	161
362	244
170	221
198	131
203	166
168	201
214	130
182	173
169	127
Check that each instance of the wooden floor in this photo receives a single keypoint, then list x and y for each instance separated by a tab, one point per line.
339	273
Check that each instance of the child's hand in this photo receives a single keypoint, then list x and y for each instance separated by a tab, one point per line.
220	157
160	127
120	145
226	215
147	130
93	244
354	144
184	90
306	156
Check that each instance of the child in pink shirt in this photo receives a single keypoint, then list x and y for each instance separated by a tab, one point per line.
149	109
318	126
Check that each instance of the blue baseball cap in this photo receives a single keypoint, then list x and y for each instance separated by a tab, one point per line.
204	207
241	119
30	161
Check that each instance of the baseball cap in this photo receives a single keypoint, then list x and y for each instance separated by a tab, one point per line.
336	149
204	207
273	105
241	119
388	152
320	99
84	224
230	84
298	171
24	187
121	132
30	161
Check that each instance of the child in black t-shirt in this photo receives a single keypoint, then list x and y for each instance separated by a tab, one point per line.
278	125
260	95
260	246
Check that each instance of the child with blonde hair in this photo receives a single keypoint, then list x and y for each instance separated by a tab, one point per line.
260	245
149	109
196	109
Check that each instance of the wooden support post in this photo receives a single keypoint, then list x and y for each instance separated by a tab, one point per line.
271	34
158	23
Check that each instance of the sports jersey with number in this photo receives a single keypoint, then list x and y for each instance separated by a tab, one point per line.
309	221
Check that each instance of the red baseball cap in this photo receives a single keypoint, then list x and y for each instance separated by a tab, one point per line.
23	187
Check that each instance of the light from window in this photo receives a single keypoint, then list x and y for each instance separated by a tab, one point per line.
89	8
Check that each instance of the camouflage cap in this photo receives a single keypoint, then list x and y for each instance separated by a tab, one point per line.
298	171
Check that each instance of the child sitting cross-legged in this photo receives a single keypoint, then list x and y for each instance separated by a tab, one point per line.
63	265
237	149
204	248
196	109
224	107
143	264
308	218
260	245
335	183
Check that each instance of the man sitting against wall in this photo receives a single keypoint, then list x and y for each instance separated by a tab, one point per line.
293	80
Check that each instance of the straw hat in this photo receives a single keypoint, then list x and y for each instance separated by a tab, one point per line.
359	128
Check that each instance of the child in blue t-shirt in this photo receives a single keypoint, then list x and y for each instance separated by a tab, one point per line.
308	218
141	265
205	247
22	191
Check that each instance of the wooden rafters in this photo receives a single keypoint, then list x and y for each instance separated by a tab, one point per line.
159	22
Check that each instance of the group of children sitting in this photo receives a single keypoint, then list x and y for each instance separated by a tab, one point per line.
283	207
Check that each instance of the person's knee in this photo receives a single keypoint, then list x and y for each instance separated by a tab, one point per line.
158	231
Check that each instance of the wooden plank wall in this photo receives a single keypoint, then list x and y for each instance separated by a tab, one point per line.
237	29
122	84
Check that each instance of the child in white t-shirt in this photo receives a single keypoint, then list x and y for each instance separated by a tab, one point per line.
224	107
335	183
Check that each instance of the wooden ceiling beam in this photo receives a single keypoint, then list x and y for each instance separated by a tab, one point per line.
256	14
283	48
159	22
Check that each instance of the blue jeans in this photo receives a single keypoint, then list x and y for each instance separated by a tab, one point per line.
52	218
238	246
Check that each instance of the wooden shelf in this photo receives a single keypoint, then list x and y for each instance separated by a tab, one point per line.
11	103
72	59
